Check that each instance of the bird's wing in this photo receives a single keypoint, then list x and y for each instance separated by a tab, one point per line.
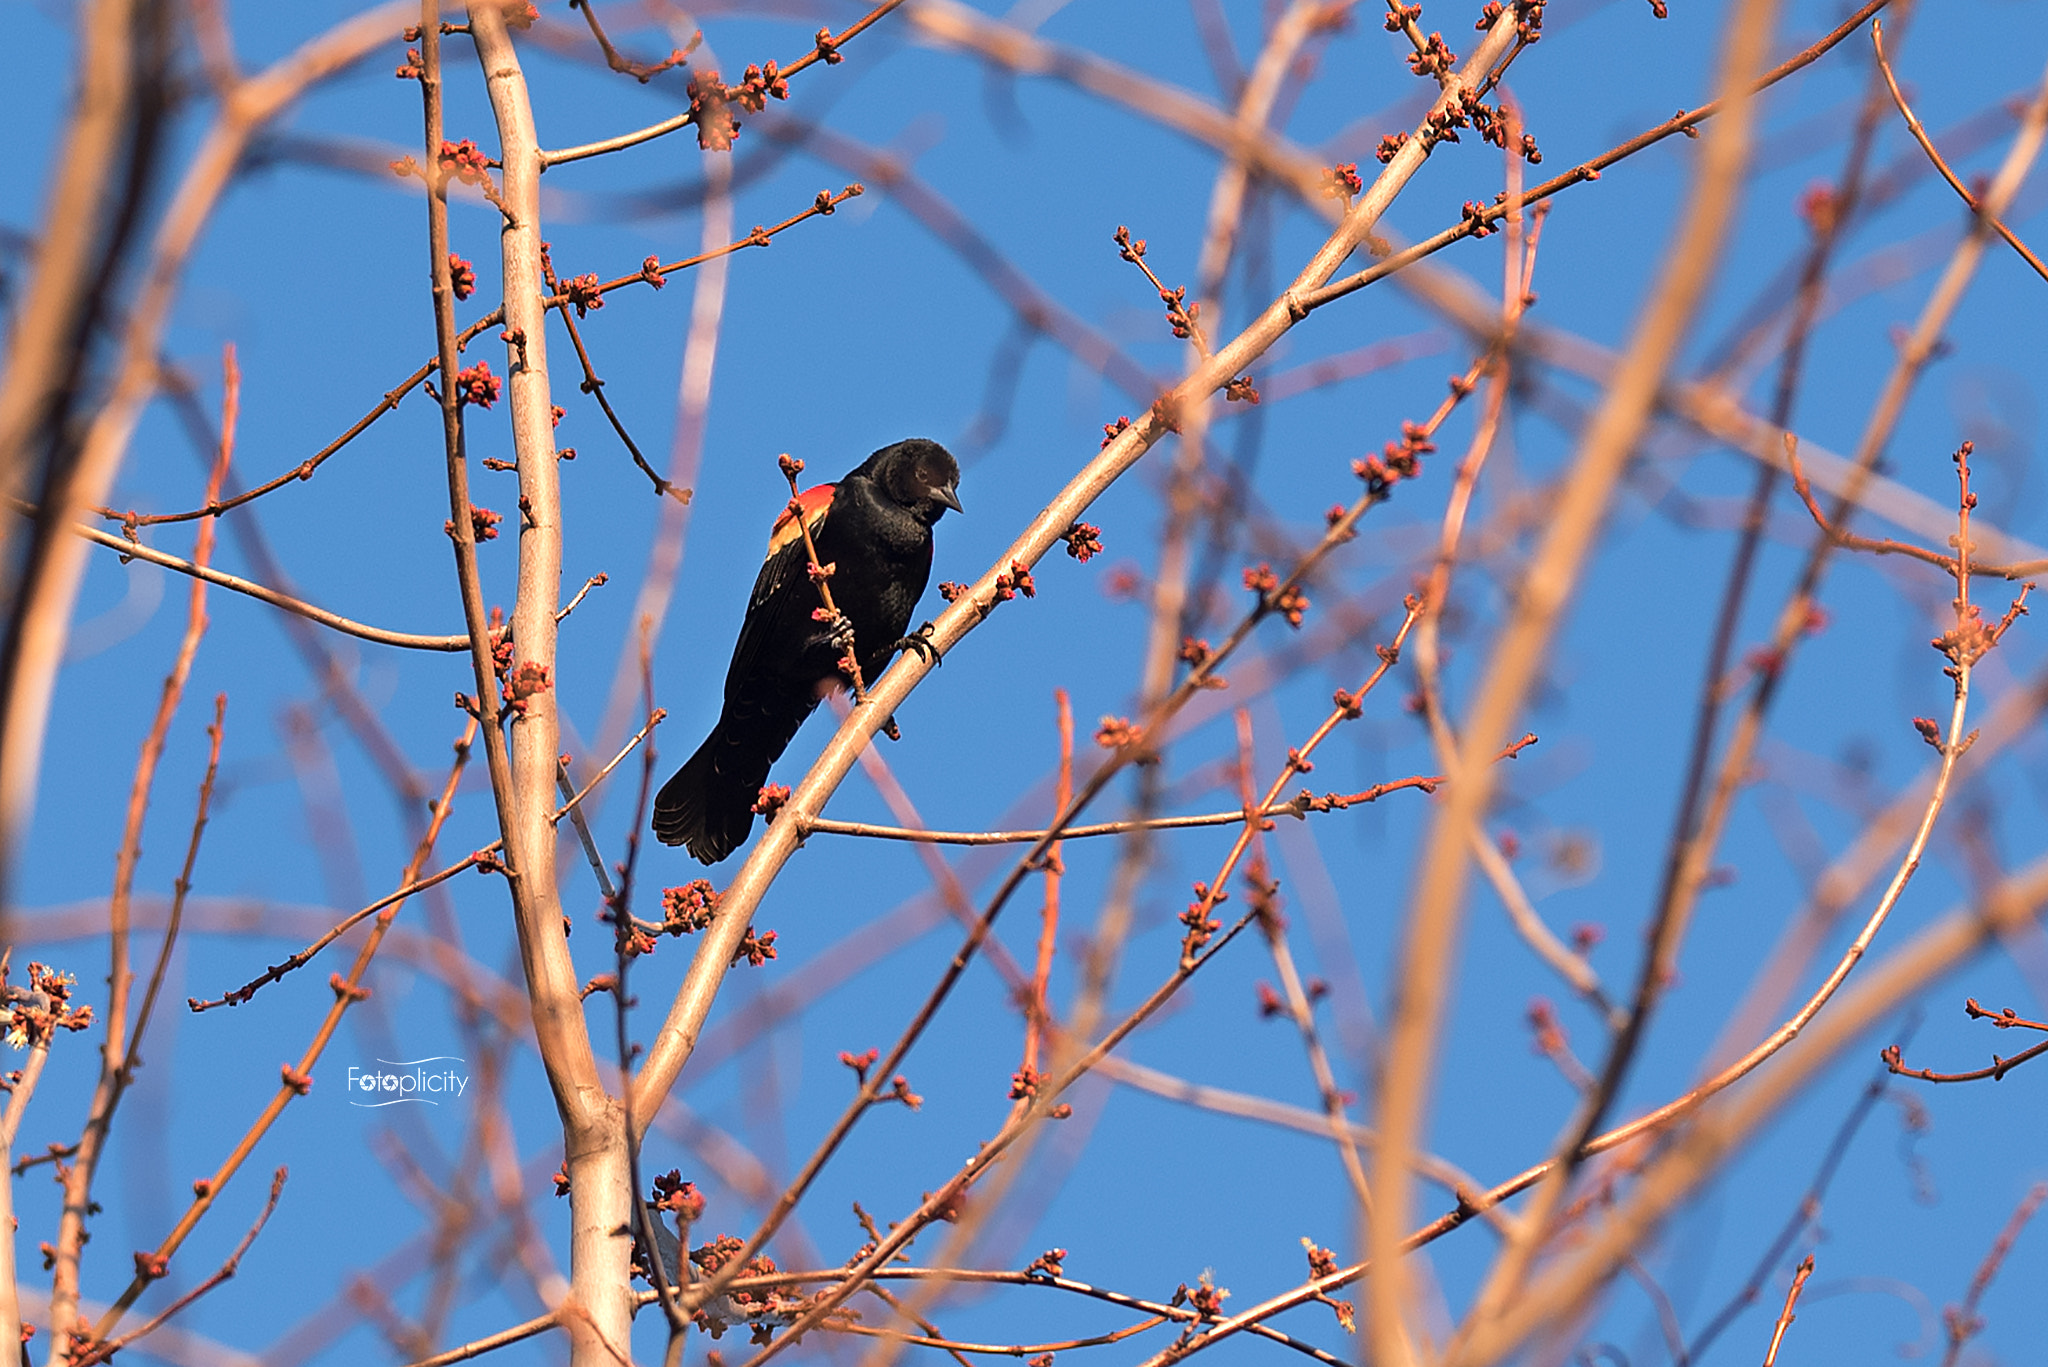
783	597
814	501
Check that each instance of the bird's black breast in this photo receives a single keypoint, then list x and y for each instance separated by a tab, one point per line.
882	556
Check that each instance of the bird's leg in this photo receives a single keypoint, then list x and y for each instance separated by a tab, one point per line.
920	643
848	663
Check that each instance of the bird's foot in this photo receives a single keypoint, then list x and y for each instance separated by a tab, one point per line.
920	643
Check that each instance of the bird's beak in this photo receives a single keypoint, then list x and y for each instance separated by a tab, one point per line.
948	495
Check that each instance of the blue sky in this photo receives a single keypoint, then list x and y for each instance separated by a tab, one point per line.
854	331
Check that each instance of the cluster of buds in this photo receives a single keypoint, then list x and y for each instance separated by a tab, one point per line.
523	684
1180	314
1206	1297
1015	580
466	162
1112	430
761	1309
1241	390
483	524
1343	181
1396	462
759	84
754	950
1114	733
461	276
1084	541
711	112
1470	111
1323	1263
1289	601
33	1014
1051	1263
631	940
712	102
1389	146
1400	16
1201	925
1492	126
476	384
1529	17
1024	1084
771	799
689	908
1972	638
672	1193
585	292
1433	58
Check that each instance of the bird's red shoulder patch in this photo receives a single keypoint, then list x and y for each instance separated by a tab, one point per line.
814	501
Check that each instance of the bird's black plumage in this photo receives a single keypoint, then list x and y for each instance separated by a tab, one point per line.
875	527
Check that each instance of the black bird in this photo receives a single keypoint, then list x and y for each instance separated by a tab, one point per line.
875	527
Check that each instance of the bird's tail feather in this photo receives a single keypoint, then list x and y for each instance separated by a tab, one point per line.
708	805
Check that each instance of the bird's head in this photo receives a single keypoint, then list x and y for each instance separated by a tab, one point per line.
922	476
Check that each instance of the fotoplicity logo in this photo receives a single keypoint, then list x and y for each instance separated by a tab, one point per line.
412	1080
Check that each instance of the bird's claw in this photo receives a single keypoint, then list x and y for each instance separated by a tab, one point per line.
920	644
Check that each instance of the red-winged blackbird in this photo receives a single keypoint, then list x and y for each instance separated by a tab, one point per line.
875	527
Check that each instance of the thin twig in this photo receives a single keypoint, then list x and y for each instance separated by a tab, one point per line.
123	1036
416	884
1919	133
1298	806
1963	1321
103	1352
476	1348
826	48
297	1078
1785	1316
1804	1215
